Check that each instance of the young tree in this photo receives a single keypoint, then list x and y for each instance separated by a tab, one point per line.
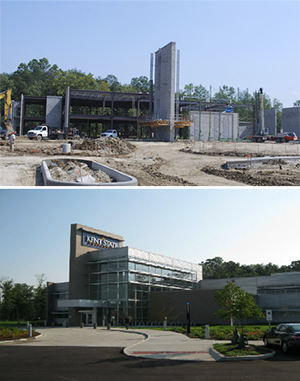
237	305
40	297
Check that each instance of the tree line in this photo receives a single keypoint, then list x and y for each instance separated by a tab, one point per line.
217	268
19	301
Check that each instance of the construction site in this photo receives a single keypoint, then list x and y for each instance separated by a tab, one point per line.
182	163
162	140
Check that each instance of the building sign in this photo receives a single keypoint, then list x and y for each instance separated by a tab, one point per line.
98	242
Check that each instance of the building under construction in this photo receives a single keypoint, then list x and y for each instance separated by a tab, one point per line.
159	114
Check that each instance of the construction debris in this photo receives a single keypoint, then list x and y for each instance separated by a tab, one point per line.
107	146
76	171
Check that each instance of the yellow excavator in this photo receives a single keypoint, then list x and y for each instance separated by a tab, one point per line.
7	113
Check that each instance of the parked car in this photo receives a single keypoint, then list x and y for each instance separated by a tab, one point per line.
110	134
286	335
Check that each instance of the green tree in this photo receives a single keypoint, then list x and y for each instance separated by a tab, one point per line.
6	298
114	84
74	79
237	305
225	93
295	266
16	300
33	78
23	302
141	84
200	92
212	268
297	103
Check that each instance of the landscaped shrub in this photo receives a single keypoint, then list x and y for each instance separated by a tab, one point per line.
222	332
12	334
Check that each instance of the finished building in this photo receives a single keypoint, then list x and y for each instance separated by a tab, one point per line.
109	281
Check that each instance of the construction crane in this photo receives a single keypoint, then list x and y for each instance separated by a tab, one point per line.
7	113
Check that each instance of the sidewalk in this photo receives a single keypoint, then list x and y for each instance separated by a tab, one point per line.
170	345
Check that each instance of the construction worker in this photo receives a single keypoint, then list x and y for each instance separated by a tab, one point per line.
12	141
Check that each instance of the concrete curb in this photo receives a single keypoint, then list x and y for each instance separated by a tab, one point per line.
258	161
120	178
127	351
219	357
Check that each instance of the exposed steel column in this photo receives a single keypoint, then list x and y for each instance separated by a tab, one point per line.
112	111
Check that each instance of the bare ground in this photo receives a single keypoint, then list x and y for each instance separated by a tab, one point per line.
182	163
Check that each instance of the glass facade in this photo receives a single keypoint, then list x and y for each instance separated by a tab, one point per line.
124	285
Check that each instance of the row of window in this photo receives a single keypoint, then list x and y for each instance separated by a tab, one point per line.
61	295
136	277
122	292
125	265
264	291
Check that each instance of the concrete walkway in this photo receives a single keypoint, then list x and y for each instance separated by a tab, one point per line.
170	345
138	343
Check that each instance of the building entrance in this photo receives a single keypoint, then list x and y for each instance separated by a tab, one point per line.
87	317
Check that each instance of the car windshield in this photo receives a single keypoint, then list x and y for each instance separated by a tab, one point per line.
109	131
38	128
296	327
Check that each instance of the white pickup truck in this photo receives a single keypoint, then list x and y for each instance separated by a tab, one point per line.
39	132
110	134
44	132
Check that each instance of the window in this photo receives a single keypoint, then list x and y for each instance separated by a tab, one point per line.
141	267
122	291
123	265
112	277
123	276
103	278
112	291
93	278
94	292
112	266
103	292
103	267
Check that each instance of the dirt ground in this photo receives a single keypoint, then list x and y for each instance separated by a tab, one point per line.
182	163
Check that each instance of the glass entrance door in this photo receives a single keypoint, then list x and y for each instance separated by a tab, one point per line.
87	318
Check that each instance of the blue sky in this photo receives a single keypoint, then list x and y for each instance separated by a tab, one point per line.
244	44
243	225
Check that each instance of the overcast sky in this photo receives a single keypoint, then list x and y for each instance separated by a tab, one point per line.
248	226
244	44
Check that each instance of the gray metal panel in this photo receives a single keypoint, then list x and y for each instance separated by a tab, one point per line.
164	100
270	121
214	126
54	111
247	284
251	284
290	278
290	120
286	300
